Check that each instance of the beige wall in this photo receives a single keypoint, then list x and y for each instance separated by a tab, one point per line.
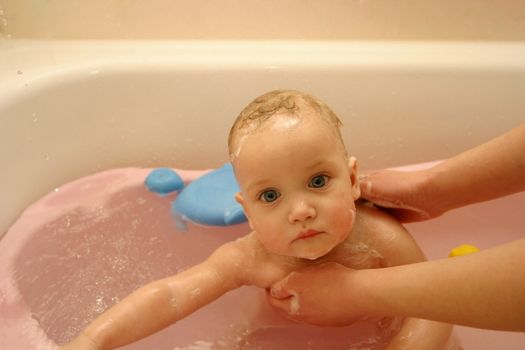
264	19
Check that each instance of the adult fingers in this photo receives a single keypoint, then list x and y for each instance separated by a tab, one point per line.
281	289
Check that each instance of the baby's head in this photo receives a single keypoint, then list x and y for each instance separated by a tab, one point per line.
297	185
295	105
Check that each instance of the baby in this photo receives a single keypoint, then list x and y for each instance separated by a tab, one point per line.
299	190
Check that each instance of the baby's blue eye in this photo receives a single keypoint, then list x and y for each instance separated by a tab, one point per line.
318	181
270	196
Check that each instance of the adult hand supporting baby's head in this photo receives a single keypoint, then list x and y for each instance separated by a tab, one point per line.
324	295
407	195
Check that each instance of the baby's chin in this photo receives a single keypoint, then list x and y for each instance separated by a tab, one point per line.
314	254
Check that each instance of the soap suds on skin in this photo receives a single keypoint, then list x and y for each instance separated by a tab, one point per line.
284	122
294	303
281	123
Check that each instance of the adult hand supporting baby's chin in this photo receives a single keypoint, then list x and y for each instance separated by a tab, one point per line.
406	195
323	295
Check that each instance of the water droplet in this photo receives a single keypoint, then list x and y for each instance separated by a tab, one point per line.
195	292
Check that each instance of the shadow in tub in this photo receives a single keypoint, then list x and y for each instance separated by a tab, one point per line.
97	239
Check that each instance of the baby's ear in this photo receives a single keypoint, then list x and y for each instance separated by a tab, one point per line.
352	171
240	200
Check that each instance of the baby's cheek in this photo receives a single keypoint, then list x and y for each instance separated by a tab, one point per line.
269	237
342	214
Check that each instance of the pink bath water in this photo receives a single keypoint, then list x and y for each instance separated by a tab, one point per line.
88	244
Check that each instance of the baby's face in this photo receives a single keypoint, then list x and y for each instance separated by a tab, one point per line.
296	186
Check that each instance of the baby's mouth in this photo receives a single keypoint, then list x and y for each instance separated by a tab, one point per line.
308	234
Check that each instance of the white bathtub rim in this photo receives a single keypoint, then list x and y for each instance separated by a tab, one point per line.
26	62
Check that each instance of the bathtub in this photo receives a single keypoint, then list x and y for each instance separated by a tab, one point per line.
70	109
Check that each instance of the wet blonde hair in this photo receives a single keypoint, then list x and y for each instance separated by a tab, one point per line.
289	102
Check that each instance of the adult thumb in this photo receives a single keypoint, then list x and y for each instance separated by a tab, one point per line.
279	289
365	186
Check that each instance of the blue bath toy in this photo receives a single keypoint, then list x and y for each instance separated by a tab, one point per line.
210	199
164	181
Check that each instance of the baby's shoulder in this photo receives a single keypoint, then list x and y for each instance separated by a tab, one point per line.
386	234
372	220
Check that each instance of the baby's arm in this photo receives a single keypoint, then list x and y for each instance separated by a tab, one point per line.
399	248
163	302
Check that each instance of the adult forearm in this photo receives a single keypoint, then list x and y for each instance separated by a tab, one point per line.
483	290
491	170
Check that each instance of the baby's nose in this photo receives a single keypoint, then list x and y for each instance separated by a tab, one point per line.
301	210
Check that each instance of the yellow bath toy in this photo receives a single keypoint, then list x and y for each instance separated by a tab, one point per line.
463	249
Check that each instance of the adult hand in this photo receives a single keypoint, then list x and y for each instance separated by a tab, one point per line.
403	194
488	171
304	296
